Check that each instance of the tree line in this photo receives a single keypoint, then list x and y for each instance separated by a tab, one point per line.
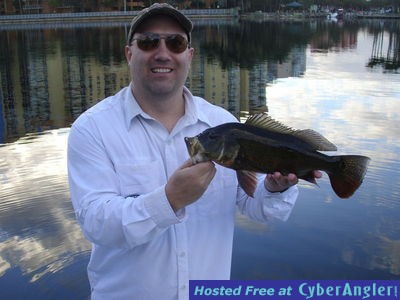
274	5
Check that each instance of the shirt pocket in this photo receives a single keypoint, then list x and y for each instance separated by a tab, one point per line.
220	197
139	177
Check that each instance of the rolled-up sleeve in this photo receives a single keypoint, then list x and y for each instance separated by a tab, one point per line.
107	218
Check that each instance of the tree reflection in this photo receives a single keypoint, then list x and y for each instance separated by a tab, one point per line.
49	76
387	54
252	42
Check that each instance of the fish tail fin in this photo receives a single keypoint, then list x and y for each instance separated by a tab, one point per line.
349	174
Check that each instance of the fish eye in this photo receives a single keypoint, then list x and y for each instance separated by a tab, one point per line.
212	136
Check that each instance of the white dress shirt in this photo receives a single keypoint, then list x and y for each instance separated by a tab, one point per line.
119	160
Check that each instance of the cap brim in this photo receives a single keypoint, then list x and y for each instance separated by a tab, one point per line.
160	10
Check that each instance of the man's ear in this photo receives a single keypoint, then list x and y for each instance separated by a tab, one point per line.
191	53
128	54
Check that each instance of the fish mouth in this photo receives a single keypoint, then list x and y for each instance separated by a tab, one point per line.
196	150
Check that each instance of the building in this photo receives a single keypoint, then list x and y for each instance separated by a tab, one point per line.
9	7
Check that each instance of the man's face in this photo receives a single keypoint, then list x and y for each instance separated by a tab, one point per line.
159	71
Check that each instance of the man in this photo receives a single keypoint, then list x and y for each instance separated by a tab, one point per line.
154	219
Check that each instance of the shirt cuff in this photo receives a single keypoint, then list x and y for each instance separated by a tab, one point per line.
160	210
277	205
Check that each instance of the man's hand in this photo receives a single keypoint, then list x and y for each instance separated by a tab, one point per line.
276	182
188	183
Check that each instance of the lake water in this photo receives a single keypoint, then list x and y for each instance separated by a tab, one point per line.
341	79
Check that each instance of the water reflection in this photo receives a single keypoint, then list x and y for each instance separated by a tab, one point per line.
39	235
386	52
354	110
49	76
307	75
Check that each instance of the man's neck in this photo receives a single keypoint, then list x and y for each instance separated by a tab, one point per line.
167	109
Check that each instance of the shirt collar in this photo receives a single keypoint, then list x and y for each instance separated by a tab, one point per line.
192	112
192	109
131	108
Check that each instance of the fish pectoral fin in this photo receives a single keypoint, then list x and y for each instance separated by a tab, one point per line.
247	181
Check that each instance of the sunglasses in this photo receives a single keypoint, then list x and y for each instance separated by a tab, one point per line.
149	41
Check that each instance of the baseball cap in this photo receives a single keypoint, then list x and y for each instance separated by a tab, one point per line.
160	9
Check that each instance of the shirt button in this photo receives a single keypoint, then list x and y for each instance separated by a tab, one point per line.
183	287
182	254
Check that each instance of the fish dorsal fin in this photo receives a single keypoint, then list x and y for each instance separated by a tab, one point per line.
309	136
264	121
315	140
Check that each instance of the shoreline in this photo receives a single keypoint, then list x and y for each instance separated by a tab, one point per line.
195	14
110	16
311	16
